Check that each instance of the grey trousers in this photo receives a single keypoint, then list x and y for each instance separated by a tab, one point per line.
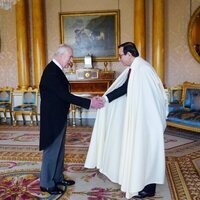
53	162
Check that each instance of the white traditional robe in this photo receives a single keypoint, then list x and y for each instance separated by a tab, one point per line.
127	143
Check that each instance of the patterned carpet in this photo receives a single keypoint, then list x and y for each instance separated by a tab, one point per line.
20	163
183	167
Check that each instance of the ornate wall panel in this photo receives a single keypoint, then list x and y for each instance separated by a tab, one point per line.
178	59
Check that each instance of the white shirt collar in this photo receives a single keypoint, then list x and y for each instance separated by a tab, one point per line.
56	62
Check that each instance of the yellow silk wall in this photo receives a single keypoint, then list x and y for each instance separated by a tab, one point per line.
180	66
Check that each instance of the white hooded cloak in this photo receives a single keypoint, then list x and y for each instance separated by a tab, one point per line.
127	143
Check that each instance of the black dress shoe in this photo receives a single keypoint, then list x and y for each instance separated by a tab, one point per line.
143	194
52	190
65	182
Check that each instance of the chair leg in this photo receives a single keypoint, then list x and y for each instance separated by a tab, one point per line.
15	119
4	113
11	117
24	120
36	117
31	118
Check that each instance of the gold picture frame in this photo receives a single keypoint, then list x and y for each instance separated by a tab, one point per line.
193	34
94	33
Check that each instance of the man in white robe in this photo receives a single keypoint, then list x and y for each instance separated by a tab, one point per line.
127	143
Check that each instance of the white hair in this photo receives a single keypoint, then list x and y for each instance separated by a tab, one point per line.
62	49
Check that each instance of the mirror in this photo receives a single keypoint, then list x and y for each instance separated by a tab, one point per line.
194	34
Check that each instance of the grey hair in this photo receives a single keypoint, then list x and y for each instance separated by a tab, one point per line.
62	49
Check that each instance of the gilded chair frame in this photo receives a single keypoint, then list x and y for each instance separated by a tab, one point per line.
6	104
30	113
186	85
174	89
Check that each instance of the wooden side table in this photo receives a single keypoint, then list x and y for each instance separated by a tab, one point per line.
89	88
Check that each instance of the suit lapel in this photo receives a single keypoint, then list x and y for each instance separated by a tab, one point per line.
62	76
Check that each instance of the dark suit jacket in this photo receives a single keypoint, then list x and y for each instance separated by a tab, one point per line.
55	102
118	92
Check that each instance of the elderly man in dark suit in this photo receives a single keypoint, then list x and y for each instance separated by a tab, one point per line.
55	102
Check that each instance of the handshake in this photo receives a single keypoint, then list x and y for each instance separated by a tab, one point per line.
97	102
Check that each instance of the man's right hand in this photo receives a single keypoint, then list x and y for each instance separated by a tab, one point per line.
97	102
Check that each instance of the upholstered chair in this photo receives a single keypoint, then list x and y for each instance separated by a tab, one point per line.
29	106
6	102
184	109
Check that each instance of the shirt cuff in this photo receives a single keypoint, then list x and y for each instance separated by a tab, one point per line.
106	98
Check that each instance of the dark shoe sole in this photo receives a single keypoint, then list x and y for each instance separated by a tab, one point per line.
66	183
143	195
52	191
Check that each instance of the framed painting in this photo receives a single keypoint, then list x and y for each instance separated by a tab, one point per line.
91	33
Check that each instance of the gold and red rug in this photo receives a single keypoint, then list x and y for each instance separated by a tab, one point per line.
20	163
183	166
